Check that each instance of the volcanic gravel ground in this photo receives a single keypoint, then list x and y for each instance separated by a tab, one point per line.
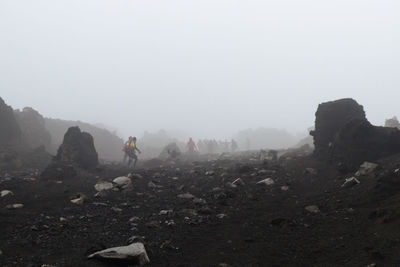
250	225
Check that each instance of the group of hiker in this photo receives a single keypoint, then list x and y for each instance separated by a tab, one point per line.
203	147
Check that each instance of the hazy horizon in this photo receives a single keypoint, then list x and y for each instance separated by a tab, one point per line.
208	68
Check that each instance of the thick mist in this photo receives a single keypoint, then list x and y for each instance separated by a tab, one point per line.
209	69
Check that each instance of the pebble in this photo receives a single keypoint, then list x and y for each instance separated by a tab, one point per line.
15	206
6	193
312	209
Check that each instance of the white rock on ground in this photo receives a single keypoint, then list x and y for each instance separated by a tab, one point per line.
123	181
6	193
366	168
238	181
15	206
100	186
135	252
79	200
267	181
350	182
312	209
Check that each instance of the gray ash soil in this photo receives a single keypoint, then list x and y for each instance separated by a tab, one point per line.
263	225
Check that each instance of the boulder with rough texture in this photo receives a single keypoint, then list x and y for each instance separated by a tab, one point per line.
135	253
330	118
78	148
343	134
10	133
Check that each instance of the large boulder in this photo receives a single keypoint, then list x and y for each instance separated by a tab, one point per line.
32	125
342	133
78	148
108	144
330	118
10	133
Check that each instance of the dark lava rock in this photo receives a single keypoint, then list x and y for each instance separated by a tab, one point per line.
330	118
343	134
360	141
32	126
78	148
10	133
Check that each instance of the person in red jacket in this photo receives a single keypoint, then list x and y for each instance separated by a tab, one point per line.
191	145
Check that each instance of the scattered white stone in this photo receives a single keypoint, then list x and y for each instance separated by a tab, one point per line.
116	209
100	186
123	181
312	209
79	200
349	182
62	219
231	185
165	212
221	216
152	185
238	181
134	252
186	196
15	206
6	193
284	188
267	181
210	173
366	168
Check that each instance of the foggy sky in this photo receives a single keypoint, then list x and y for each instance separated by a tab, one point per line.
209	67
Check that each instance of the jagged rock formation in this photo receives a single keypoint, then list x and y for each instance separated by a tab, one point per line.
32	125
10	133
342	133
393	122
78	148
108	145
330	118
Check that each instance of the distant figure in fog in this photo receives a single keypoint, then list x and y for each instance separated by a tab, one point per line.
132	152
173	154
126	148
234	145
191	145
